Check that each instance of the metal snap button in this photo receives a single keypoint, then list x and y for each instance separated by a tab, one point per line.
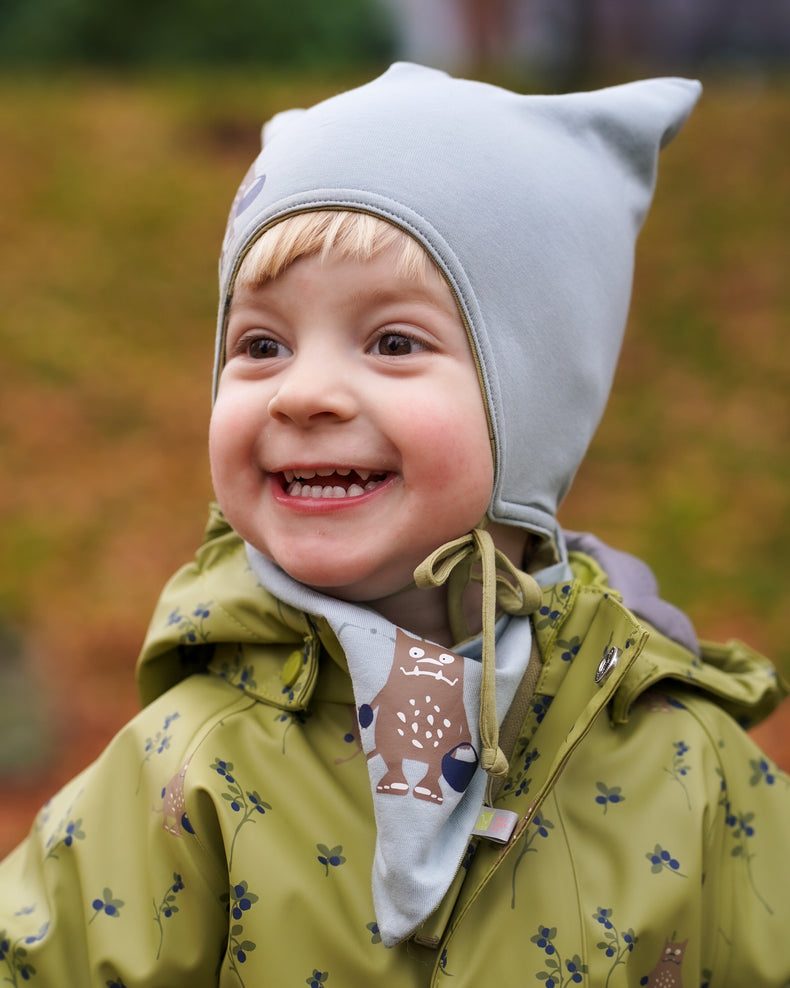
607	665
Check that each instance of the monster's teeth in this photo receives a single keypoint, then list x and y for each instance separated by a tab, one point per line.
355	490
325	472
363	475
344	471
289	476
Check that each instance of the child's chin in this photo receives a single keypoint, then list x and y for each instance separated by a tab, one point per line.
353	588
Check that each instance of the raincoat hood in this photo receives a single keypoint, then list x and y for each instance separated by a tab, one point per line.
530	205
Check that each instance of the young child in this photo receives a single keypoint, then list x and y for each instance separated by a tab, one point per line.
394	730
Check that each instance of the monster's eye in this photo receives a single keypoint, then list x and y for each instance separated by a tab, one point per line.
416	653
445	658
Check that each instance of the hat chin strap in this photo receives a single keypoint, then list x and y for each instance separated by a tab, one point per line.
514	591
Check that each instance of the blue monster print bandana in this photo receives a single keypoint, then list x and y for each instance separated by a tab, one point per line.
418	706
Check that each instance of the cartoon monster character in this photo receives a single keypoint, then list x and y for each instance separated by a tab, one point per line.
421	717
667	972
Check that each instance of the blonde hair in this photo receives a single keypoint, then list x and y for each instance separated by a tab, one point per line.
343	233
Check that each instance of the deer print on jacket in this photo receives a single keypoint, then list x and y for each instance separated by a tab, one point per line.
420	717
173	816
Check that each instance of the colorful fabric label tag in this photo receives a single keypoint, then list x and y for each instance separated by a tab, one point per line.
496	825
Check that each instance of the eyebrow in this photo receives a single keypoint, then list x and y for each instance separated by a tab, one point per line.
419	296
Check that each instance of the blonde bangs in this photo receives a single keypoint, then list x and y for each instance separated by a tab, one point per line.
342	233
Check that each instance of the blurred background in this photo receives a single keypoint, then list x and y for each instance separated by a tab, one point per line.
125	128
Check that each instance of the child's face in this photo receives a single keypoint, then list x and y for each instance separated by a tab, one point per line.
349	438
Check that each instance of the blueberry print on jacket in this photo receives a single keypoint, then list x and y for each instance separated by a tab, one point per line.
298	897
421	717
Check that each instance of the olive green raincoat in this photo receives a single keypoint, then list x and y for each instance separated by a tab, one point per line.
226	835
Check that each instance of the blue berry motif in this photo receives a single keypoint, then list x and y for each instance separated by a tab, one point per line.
661	860
608	795
742	828
570	648
167	907
106	905
156	745
765	772
239	901
236	672
552	611
317	979
557	973
68	831
615	944
291	717
249	804
192	627
14	956
680	768
540	826
330	857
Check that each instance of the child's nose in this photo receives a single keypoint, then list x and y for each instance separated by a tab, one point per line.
314	390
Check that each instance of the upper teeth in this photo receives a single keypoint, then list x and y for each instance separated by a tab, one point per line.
305	474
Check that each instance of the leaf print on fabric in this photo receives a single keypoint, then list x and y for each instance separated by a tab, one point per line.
289	718
742	829
317	979
106	905
661	860
557	974
539	827
352	737
518	784
373	930
156	745
238	901
192	627
679	768
14	956
615	944
569	648
167	907
766	772
608	795
330	857
540	706
552	610
68	831
243	801
236	672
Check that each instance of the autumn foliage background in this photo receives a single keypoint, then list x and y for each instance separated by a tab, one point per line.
113	196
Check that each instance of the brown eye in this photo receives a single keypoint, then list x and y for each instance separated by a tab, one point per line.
263	348
395	345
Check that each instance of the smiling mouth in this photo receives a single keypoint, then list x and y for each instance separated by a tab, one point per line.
331	482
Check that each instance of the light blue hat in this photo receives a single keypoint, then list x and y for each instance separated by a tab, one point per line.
530	205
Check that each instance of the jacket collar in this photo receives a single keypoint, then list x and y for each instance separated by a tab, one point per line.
214	613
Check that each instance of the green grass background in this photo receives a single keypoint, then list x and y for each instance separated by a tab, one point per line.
113	196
